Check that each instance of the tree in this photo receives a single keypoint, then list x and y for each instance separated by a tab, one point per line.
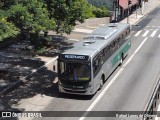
31	17
8	29
67	12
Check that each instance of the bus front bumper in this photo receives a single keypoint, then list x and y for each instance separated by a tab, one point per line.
76	91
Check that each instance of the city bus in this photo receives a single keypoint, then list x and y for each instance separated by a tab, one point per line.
84	68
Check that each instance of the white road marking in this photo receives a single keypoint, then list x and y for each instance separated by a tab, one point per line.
111	82
145	34
138	33
153	33
159	36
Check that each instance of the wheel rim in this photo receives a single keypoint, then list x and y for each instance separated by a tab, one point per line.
101	84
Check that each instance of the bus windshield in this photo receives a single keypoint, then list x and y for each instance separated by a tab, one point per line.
74	71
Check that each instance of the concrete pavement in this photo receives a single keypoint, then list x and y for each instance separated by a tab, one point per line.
137	16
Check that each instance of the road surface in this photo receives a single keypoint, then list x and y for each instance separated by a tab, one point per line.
129	88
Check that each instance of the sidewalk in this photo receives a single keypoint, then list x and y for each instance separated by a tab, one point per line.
39	99
136	17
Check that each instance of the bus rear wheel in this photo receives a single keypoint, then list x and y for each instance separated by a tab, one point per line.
121	60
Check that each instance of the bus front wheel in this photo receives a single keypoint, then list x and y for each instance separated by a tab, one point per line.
101	82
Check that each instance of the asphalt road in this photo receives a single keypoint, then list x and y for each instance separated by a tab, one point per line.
130	87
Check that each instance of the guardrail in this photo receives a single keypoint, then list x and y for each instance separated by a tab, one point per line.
152	103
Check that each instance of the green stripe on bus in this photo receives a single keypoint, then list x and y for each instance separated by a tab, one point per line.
118	56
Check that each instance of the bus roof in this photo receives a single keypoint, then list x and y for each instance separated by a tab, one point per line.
89	46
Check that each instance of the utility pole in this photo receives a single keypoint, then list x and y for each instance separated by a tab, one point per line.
142	12
129	2
116	10
136	11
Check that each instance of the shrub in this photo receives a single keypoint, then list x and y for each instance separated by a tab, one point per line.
100	12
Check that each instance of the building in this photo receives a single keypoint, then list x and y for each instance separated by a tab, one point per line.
126	7
118	9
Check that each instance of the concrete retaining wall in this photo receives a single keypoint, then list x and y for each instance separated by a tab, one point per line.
94	21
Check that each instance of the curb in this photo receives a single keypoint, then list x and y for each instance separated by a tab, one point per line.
10	88
144	15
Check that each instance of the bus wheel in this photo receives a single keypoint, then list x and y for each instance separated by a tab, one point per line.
101	82
121	60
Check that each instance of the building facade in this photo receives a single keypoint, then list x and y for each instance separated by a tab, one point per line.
118	9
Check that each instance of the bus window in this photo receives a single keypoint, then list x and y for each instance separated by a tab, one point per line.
128	30
95	66
118	40
112	46
75	71
126	33
97	63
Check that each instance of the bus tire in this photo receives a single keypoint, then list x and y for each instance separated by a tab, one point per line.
121	60
101	82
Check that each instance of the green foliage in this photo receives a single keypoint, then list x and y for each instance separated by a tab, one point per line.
26	18
88	11
40	41
31	16
67	12
8	29
100	12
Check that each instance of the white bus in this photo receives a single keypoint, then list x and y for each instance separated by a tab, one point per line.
84	68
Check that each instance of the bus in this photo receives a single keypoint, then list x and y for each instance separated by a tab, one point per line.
85	67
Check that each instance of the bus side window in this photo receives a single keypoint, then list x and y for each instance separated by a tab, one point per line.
95	67
112	46
116	45
122	36
101	57
128	29
126	33
97	63
119	40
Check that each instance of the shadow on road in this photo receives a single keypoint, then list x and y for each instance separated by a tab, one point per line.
40	82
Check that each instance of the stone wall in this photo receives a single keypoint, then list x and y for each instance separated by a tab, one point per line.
94	21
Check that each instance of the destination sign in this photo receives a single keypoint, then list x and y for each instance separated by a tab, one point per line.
74	57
